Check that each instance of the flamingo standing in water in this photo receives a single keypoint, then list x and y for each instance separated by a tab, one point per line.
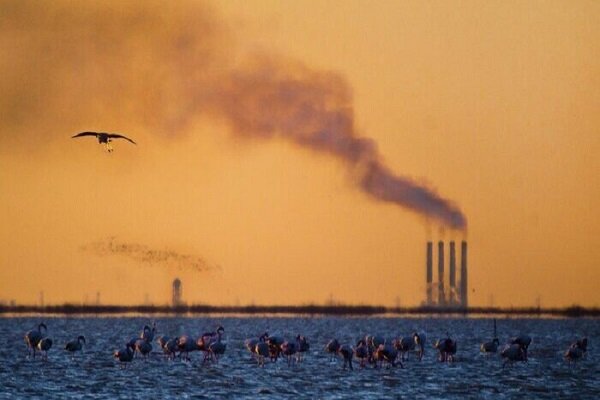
577	350
143	347
303	347
573	354
44	345
404	345
204	341
346	352
361	352
262	351
75	345
288	349
581	344
447	348
217	347
186	344
373	343
169	346
375	340
124	355
523	341
420	339
332	347
513	353
148	332
162	341
387	353
491	346
275	343
33	337
250	344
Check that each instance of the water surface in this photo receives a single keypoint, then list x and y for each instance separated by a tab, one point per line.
95	374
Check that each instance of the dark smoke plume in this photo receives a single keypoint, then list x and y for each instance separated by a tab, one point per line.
157	67
272	97
144	255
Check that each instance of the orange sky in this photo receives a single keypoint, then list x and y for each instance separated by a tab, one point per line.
492	106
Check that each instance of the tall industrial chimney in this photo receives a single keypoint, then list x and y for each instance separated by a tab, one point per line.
464	300
429	287
452	274
441	291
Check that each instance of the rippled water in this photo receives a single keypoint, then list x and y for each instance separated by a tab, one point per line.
94	374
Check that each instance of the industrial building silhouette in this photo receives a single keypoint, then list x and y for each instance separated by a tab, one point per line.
452	295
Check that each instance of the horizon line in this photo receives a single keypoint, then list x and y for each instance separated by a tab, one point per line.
315	309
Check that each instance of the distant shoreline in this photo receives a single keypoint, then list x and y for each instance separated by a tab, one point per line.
329	310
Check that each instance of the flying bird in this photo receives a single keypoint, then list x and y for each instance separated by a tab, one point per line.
104	138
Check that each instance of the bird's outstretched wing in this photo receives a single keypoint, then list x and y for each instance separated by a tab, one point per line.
117	136
85	134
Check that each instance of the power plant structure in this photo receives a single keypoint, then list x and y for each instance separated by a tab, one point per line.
439	294
429	287
176	301
452	298
464	289
441	288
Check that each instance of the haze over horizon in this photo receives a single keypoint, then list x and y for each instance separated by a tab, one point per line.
294	152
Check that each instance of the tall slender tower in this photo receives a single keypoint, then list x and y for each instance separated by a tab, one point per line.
176	292
464	300
441	291
429	277
452	299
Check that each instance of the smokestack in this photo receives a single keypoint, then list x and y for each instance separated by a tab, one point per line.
463	276
429	287
452	273
441	291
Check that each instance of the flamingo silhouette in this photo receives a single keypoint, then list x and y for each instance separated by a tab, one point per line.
104	138
75	345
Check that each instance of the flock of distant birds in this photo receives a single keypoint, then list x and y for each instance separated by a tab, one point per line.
371	350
